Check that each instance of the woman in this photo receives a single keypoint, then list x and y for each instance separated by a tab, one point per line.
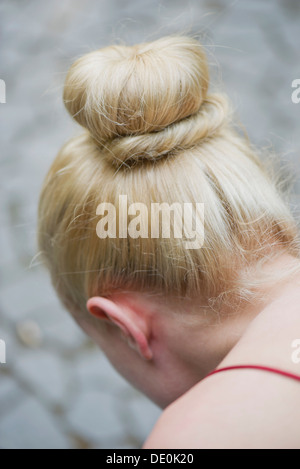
167	309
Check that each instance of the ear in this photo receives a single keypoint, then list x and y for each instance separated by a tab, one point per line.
133	324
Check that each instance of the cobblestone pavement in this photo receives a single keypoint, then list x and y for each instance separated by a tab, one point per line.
57	390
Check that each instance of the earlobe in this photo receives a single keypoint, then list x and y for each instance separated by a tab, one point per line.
141	344
125	319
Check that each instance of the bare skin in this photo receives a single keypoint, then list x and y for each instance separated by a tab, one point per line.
167	354
243	409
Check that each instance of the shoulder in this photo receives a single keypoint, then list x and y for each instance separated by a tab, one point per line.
235	410
243	408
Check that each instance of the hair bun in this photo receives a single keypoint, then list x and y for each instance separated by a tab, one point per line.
153	95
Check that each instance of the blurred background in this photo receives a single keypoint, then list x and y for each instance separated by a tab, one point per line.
57	390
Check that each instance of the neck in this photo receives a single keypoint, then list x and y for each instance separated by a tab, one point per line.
211	340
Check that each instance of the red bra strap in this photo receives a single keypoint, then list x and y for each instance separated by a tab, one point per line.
257	367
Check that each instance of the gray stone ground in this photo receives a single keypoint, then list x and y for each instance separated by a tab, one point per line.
63	393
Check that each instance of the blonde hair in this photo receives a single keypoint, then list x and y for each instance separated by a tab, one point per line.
155	134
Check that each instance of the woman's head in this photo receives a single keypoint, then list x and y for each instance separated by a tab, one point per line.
154	134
